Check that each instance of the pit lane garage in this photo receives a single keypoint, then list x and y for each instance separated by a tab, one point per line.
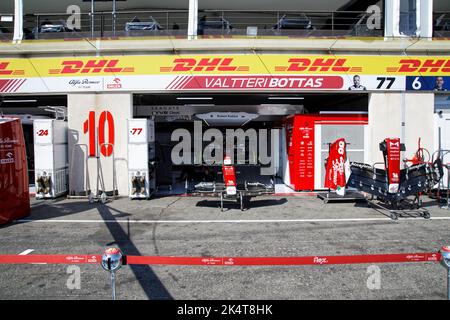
299	129
29	108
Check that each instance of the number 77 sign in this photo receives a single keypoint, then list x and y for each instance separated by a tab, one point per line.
106	144
136	131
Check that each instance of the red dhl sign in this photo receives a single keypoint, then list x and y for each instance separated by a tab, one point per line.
204	64
91	66
416	65
5	71
319	64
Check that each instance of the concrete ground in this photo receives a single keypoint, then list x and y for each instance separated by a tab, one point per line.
191	226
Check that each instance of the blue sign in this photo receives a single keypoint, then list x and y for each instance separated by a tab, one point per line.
430	83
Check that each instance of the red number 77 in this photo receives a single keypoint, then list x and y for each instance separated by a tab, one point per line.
136	131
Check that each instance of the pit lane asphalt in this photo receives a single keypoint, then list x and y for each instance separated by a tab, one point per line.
305	226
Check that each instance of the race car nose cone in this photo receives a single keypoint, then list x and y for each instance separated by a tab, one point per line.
112	259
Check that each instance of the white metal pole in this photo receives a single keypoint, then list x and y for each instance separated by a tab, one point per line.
193	19
114	18
18	21
92	18
113	284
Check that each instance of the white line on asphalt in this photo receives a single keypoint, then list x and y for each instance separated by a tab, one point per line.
28	251
224	221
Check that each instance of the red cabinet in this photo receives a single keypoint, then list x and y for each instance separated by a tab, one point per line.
14	190
305	138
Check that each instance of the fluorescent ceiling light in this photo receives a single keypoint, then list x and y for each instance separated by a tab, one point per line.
19	101
286	98
194	98
7	19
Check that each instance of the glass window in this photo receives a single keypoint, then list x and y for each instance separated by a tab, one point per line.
408	12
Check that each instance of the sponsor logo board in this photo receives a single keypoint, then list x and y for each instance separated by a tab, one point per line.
250	72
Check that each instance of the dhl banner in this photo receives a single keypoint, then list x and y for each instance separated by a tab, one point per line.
244	72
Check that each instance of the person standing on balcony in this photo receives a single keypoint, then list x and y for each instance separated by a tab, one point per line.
201	25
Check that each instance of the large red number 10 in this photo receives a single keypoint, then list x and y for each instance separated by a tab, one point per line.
106	147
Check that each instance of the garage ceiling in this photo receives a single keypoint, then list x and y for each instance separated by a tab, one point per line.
313	102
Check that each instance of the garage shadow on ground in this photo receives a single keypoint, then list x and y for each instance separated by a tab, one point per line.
233	204
144	274
54	209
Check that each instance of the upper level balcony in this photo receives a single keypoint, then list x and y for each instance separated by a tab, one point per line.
174	23
319	26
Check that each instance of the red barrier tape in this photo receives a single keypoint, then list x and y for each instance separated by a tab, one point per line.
50	259
227	261
292	261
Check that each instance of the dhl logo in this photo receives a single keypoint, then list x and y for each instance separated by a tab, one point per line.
416	65
204	64
318	64
90	66
5	71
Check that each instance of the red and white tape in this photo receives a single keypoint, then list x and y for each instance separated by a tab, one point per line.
227	261
50	259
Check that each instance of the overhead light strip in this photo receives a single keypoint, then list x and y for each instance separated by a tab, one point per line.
286	98
194	98
19	101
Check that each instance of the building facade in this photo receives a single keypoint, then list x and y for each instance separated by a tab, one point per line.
359	70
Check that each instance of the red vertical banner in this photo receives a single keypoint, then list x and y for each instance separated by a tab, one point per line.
229	176
393	163
335	177
301	152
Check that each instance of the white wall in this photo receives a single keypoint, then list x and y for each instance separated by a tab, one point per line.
79	106
419	122
385	120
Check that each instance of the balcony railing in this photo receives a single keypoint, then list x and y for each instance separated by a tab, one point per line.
224	23
211	23
441	24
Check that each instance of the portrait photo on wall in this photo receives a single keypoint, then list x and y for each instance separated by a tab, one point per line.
357	83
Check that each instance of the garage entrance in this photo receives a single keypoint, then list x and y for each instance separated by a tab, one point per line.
29	108
332	116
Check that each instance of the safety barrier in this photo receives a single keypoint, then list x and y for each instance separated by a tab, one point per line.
112	260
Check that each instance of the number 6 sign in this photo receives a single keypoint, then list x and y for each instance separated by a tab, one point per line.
105	118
